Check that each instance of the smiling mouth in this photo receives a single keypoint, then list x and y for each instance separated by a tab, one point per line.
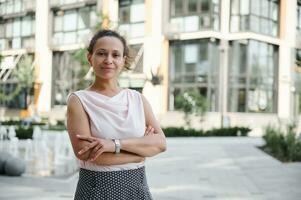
106	68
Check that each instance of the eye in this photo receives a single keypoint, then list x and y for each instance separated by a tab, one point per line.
100	53
116	55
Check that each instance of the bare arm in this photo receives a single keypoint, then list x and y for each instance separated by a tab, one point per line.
117	159
150	144
78	124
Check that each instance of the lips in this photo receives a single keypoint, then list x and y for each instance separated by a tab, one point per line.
107	68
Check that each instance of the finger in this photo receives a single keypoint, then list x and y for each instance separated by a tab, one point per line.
86	138
86	148
95	149
149	129
98	153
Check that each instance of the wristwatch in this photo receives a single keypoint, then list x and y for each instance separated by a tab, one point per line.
117	145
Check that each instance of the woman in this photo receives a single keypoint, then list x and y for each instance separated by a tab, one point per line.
111	129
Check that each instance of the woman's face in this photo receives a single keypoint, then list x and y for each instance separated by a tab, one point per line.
107	58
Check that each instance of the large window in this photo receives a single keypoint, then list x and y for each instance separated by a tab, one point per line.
137	53
194	15
67	76
252	77
299	16
71	26
259	16
297	80
132	17
15	6
14	95
17	33
194	64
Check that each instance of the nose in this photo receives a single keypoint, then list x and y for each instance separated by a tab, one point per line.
109	59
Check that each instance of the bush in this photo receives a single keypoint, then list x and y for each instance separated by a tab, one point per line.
181	132
284	146
11	123
24	132
231	131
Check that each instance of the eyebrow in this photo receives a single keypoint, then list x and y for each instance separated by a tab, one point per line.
115	50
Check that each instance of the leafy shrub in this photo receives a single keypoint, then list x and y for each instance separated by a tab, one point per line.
24	132
284	146
231	131
181	132
11	123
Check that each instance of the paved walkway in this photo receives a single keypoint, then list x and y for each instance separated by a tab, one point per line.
191	169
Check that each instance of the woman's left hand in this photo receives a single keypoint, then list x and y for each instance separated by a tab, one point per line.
97	146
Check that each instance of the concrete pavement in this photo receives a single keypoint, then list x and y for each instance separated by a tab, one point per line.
191	169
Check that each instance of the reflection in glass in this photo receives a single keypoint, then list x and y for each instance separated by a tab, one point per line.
192	5
194	64
205	5
259	59
197	15
58	23
244	7
260	16
26	27
83	18
137	13
69	21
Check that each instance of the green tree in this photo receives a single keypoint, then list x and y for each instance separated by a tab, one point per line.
23	74
191	102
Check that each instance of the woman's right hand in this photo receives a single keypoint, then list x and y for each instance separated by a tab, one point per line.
97	146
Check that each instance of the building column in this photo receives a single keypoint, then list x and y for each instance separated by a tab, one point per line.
153	50
286	58
43	58
223	62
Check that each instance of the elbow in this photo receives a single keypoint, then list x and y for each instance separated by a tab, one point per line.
162	144
162	147
83	157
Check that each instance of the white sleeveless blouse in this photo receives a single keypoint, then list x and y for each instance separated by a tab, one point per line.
117	117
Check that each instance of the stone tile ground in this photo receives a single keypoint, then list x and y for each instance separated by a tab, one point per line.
191	169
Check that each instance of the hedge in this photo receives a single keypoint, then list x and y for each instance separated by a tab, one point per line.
181	132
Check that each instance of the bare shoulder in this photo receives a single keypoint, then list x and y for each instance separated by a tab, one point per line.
144	99
73	103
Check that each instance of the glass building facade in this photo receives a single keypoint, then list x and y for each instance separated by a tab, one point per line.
131	18
194	65
72	25
194	15
234	53
252	78
259	16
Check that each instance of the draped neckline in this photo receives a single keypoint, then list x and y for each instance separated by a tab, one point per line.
105	96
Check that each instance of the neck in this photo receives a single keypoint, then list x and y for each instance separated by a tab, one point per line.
101	85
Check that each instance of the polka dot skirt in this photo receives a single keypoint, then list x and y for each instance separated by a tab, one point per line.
112	185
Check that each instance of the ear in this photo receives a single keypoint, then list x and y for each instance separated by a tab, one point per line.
89	56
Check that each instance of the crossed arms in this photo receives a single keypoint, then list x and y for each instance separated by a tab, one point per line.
101	151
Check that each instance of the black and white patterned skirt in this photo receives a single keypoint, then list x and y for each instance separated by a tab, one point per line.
112	185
